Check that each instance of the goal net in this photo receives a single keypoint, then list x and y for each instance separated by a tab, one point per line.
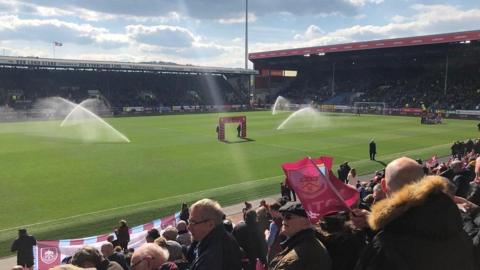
369	107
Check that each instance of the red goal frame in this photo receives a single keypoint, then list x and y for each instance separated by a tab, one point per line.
231	119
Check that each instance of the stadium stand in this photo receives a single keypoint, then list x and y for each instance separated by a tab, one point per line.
409	72
153	87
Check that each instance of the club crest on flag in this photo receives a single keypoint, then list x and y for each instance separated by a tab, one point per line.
49	255
317	188
310	185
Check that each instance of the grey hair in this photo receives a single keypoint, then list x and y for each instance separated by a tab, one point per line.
210	209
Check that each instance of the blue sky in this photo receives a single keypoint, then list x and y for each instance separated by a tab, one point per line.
211	32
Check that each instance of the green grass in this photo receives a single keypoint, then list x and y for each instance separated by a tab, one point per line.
70	188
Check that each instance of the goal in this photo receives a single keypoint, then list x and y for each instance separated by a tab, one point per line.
369	107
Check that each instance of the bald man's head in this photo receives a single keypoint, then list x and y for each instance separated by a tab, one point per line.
399	173
148	257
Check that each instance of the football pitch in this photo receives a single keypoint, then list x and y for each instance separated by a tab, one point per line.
64	188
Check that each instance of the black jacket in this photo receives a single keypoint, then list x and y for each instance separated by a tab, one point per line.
24	248
336	242
474	193
252	241
372	147
218	251
471	225
120	259
419	228
303	251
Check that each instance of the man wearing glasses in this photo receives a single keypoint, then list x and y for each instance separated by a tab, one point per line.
216	249
302	250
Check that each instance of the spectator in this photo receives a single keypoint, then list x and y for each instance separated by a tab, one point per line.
88	257
152	234
362	189
170	233
337	234
176	255
343	171
378	193
123	234
247	207
274	238
263	216
161	242
418	225
184	236
292	196
60	267
461	178
111	239
284	190
148	257
474	192
227	224
184	213
216	249
302	249
113	256
352	177
251	240
23	245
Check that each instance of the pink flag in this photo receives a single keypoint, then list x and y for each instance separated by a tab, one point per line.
348	193
317	194
48	254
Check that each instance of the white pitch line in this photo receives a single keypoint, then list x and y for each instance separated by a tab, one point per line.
137	204
188	194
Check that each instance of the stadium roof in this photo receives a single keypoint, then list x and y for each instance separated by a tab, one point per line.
375	44
69	64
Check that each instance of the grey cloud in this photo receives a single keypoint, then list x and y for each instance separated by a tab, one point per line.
202	52
45	33
192	52
208	9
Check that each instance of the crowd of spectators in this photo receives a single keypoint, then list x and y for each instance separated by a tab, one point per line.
405	78
22	87
414	214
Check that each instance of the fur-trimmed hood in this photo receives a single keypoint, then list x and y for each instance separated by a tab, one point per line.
422	207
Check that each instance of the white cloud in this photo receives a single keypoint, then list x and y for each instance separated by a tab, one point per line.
364	2
398	19
428	19
51	12
161	35
48	30
312	32
92	16
240	18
